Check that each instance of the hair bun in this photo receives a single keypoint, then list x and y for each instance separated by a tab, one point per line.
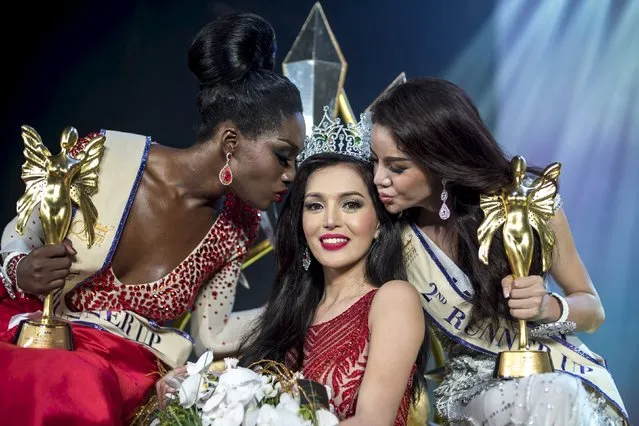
229	48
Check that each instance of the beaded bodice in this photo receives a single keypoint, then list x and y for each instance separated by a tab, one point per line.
172	295
336	352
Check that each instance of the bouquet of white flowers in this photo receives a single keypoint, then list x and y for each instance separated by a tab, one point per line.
267	394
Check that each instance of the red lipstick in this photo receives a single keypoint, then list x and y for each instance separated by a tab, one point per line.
280	196
333	241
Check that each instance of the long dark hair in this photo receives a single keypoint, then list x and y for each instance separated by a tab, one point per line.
233	57
435	123
297	293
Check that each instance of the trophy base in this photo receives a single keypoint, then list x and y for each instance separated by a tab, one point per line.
45	334
522	363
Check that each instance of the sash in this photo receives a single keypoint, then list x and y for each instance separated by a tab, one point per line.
121	169
449	309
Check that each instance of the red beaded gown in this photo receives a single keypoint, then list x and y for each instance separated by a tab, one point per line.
335	354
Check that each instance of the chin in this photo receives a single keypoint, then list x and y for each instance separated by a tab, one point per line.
336	264
393	208
259	204
264	206
343	263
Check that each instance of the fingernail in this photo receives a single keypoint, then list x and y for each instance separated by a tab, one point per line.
506	293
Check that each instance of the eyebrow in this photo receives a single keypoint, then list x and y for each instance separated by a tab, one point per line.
290	142
396	159
341	194
391	158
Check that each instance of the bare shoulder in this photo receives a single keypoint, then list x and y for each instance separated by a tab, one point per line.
397	305
397	294
559	220
397	288
565	244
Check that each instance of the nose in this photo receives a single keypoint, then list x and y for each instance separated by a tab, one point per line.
380	177
289	175
332	217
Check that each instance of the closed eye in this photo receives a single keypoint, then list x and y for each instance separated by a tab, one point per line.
284	161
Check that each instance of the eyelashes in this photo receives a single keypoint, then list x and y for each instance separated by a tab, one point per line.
284	161
353	204
312	206
348	205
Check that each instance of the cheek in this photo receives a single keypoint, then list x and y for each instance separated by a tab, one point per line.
258	164
262	170
309	225
364	223
413	186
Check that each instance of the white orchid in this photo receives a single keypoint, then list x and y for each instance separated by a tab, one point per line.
267	390
275	416
195	386
288	403
250	416
201	365
189	390
230	363
326	418
235	390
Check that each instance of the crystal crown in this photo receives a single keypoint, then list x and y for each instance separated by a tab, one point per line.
332	137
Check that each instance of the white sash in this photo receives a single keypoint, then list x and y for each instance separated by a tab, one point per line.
121	169
449	309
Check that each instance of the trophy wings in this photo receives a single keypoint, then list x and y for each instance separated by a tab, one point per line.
542	209
494	218
85	183
34	174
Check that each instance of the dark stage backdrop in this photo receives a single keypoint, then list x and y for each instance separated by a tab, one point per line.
555	80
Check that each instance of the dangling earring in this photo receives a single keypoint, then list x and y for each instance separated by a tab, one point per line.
306	259
226	175
444	212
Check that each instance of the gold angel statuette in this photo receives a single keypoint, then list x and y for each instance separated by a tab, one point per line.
55	182
519	208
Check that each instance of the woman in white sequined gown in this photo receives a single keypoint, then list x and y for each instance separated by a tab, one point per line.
434	157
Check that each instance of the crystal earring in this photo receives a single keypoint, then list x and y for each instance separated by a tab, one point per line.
306	259
226	175
444	212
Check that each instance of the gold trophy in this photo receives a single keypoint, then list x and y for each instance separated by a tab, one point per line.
54	182
519	208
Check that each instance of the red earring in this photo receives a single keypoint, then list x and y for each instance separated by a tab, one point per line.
226	175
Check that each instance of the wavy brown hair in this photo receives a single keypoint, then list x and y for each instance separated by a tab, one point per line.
438	126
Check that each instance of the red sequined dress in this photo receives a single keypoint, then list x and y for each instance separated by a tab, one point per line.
106	377
335	354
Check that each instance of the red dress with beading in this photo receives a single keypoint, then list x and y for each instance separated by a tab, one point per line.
106	377
336	352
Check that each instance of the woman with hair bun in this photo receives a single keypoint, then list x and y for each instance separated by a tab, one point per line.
174	226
